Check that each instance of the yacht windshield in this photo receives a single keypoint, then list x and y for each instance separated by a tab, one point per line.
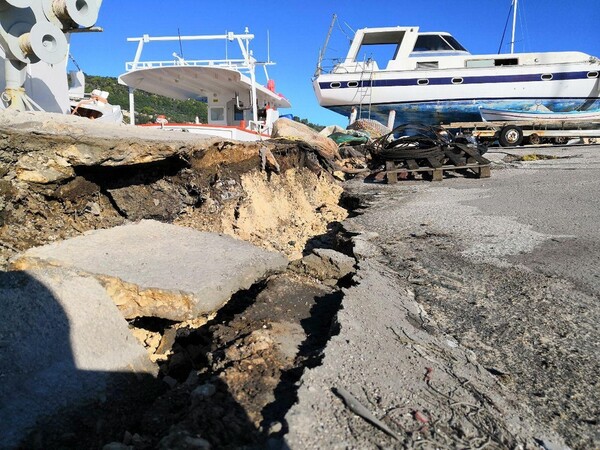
436	42
454	43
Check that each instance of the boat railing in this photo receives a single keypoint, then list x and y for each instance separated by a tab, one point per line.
238	64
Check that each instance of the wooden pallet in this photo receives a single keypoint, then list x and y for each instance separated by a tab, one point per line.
463	158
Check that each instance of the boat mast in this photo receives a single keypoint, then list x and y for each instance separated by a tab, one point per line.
324	49
514	26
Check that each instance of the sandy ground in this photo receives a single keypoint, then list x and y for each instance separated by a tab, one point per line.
493	285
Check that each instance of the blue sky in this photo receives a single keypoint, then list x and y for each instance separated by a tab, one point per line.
297	31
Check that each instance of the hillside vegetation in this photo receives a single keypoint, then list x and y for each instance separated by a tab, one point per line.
148	106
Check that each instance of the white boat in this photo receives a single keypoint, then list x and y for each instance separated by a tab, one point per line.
94	105
538	115
431	78
238	106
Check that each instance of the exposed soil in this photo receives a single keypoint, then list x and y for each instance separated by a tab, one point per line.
229	382
280	212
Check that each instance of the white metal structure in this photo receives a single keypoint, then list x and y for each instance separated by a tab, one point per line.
34	47
238	106
431	78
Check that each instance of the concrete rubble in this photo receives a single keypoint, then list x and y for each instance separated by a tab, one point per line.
325	265
152	269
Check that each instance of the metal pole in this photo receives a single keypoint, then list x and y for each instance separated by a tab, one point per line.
131	107
254	96
391	119
319	69
514	26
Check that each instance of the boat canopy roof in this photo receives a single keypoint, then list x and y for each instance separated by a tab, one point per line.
184	79
198	83
404	41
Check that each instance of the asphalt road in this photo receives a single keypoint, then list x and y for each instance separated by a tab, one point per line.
559	198
505	269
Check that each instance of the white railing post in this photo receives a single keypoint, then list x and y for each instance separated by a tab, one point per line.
131	106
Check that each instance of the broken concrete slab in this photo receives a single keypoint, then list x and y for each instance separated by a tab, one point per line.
46	147
62	342
153	269
325	265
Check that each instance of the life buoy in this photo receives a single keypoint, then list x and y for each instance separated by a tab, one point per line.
271	85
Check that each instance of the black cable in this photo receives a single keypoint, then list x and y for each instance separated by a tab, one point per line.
505	27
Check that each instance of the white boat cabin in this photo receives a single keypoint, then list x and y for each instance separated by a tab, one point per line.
404	48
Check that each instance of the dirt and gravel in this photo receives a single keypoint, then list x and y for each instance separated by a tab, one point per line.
459	314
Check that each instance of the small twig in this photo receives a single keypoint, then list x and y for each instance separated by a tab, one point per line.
465	404
356	407
448	397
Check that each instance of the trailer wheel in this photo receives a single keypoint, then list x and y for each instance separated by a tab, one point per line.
535	139
510	136
560	140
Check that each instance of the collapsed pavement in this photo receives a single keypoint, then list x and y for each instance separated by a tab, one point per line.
276	365
63	178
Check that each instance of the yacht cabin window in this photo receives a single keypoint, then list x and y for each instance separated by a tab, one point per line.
437	42
427	64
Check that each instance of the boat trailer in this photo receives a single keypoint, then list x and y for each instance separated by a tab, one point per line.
516	133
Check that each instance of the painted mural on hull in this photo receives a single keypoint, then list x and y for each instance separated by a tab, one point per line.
435	113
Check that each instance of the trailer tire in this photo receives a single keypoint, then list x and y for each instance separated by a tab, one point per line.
535	139
560	140
510	136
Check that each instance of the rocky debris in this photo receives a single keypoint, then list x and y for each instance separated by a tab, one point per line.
43	169
184	441
59	347
289	129
325	265
152	269
160	200
228	382
281	213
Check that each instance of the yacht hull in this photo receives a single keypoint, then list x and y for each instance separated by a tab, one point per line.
455	95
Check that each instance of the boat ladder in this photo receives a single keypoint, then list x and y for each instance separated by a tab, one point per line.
365	91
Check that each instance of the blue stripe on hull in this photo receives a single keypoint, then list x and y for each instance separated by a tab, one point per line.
433	113
439	81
